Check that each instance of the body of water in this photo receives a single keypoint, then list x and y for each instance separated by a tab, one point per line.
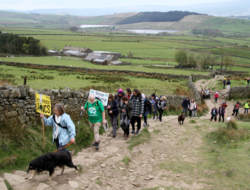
150	31
93	26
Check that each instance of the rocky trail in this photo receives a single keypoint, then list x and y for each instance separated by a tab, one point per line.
154	164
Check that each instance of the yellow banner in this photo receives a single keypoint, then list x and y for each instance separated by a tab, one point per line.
43	104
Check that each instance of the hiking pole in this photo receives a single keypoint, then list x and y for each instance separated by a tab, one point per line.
78	122
63	147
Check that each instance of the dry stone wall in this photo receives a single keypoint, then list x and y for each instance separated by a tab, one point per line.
239	92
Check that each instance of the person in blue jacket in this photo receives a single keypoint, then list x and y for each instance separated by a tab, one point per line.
63	127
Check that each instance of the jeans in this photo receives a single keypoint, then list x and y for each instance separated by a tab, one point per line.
138	120
194	113
145	117
114	121
215	117
160	113
185	110
155	112
58	145
221	116
246	110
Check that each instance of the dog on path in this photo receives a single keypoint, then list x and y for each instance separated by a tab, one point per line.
48	162
181	118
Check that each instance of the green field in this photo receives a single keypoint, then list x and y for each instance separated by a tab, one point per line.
56	61
41	79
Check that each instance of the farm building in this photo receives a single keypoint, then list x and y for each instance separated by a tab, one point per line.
83	50
52	52
118	55
75	53
103	59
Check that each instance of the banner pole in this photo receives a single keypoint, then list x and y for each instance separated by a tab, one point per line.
43	134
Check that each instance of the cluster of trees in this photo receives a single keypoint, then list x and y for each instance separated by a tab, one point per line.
207	32
15	44
205	59
172	16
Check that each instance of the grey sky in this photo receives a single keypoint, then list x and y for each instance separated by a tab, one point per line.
81	4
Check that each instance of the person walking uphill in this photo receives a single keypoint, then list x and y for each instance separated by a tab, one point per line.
153	101
228	84
95	111
161	106
248	79
224	83
63	127
246	106
216	96
113	113
214	113
126	115
147	110
185	105
138	110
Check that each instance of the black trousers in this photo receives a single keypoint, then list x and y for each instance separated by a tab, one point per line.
160	113
235	112
138	120
221	116
215	117
216	100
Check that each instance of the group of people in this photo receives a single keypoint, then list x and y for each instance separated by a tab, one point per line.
189	106
205	93
226	82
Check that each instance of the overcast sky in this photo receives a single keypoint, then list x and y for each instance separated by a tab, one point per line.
81	4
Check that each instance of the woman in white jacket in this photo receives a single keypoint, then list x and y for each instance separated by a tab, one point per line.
193	108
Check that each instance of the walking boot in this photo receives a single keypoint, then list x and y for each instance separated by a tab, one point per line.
97	145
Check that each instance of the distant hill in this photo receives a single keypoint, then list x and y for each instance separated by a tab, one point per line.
172	16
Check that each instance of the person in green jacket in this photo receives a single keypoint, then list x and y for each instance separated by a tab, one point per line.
246	106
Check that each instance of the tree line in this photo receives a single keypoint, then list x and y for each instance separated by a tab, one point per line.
15	44
206	60
171	16
207	32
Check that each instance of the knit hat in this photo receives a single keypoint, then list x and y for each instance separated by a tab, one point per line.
120	91
153	95
143	96
216	93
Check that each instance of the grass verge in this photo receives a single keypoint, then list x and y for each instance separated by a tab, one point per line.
136	140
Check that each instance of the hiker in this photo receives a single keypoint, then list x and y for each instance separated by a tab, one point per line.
221	113
193	108
119	96
161	106
147	110
214	114
63	127
96	113
137	112
224	104
246	106
224	83
126	115
204	94
216	96
154	101
228	84
208	93
185	105
113	113
236	109
129	93
248	79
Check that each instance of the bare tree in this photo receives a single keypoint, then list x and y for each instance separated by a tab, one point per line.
227	61
73	28
207	60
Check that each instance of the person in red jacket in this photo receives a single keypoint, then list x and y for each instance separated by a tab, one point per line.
216	96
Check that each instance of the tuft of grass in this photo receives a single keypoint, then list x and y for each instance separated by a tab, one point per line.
126	160
244	117
136	140
8	185
156	131
192	121
230	172
229	134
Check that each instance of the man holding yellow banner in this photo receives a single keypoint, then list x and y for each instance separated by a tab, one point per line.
63	126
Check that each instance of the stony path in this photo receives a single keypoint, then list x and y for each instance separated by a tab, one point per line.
150	164
104	169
